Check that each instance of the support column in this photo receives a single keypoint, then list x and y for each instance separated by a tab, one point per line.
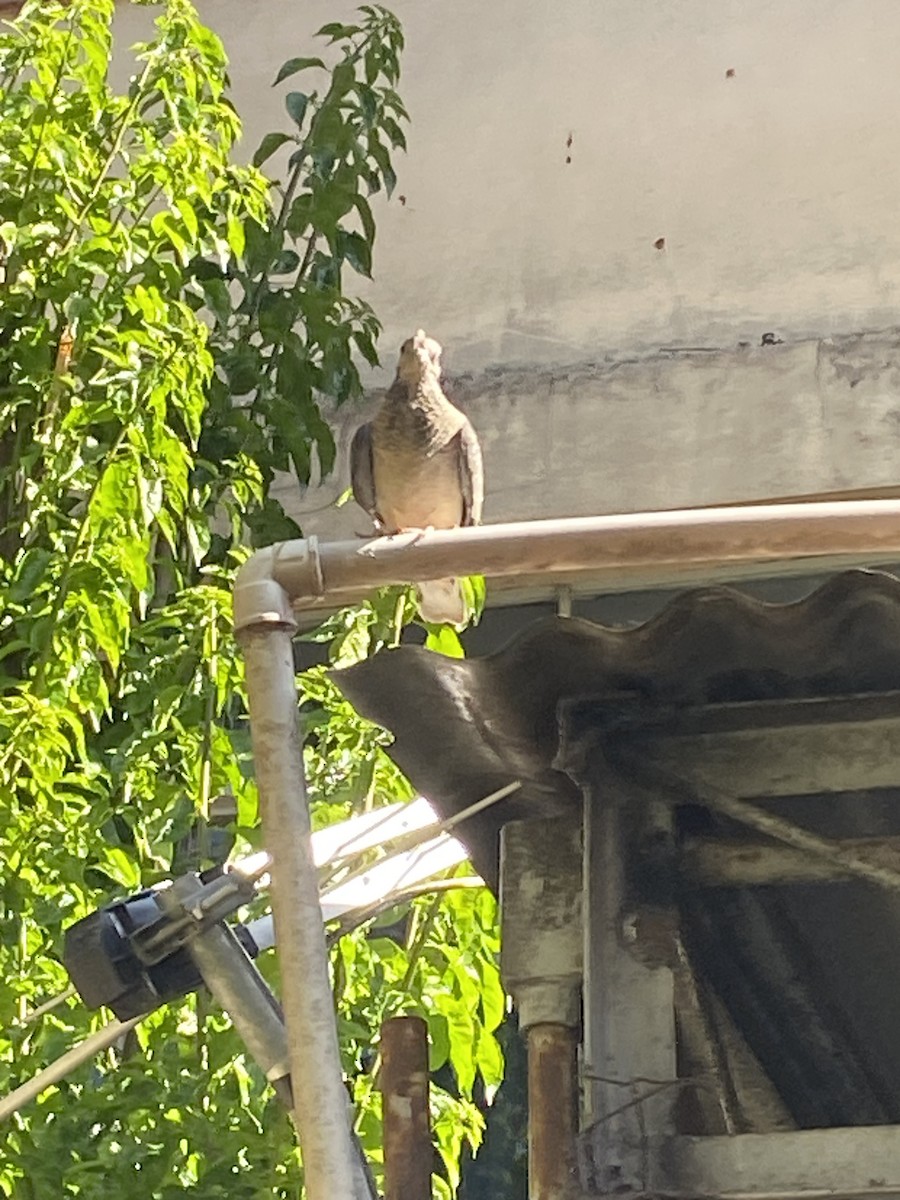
330	1160
540	904
630	1066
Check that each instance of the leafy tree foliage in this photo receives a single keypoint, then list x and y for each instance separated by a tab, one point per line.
170	322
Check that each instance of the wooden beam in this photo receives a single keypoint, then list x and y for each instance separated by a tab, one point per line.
713	862
776	749
845	1162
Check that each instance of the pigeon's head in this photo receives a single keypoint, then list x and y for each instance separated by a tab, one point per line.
420	355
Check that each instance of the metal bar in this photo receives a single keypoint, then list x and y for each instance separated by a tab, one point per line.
35	1014
238	986
552	1111
320	1100
58	1070
665	721
709	862
681	790
408	1150
803	1165
716	1104
889	491
619	551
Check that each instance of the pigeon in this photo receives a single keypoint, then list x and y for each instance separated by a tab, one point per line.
417	465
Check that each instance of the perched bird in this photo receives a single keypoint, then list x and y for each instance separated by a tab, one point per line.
417	465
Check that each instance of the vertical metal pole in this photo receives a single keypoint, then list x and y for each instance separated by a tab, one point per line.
552	1111
541	963
408	1151
331	1167
629	1010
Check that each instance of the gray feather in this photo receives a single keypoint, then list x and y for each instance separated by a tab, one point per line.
362	474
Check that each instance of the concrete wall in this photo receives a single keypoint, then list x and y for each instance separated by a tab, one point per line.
604	373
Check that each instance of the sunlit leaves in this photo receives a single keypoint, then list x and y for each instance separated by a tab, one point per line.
290	335
118	673
170	324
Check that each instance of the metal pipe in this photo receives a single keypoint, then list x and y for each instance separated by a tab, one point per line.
618	552
238	986
552	1110
320	1100
104	1037
408	1152
844	856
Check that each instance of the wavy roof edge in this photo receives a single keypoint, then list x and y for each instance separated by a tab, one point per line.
463	727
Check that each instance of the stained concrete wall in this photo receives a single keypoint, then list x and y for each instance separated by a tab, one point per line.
671	429
604	373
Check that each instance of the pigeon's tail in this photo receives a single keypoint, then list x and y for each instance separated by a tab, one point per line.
441	602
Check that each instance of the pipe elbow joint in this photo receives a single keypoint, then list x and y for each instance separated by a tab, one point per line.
259	599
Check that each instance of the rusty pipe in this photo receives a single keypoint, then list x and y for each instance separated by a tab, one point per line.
616	553
552	1111
408	1152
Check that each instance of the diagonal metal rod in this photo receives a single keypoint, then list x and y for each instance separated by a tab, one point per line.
679	790
105	1037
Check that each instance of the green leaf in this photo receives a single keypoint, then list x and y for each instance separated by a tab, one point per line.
218	298
474	593
293	65
276	316
365	215
296	104
287	262
267	147
188	216
394	132
243	367
30	571
236	236
335	31
356	251
164	225
438	1041
443	639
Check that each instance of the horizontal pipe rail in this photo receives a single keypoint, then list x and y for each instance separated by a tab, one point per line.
618	552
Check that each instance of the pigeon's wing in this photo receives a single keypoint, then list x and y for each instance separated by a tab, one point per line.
362	474
471	474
